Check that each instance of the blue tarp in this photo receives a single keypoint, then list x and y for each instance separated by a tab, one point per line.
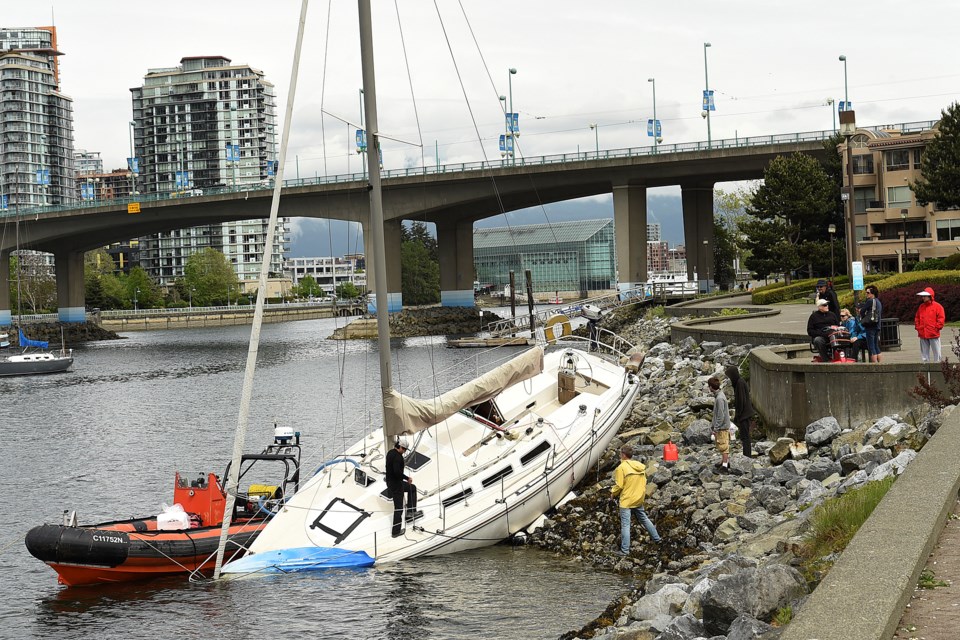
27	342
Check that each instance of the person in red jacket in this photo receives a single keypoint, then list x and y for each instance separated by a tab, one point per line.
928	321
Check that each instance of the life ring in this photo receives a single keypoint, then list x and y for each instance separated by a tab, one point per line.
556	327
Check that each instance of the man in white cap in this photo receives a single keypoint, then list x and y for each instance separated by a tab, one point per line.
400	485
818	326
928	321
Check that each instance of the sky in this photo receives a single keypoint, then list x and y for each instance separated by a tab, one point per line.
772	65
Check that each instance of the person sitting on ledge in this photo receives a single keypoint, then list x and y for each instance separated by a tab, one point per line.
818	326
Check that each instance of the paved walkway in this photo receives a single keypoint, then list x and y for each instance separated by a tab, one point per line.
933	614
793	320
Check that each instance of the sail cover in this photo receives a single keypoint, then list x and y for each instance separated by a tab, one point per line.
27	342
406	415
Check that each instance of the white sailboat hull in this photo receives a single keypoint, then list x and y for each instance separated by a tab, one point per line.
478	482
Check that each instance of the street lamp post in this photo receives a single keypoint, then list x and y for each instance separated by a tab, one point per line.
832	229
512	153
706	254
136	292
830	103
846	94
192	289
596	137
903	258
706	80
656	133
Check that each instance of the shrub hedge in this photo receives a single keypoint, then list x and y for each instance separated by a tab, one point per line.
898	293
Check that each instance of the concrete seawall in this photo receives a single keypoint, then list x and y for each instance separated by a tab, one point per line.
219	318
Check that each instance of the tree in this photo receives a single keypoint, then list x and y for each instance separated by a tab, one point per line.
210	276
347	291
940	164
791	211
420	265
307	288
730	214
100	281
33	288
138	286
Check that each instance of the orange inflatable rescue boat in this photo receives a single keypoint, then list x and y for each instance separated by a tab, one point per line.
181	540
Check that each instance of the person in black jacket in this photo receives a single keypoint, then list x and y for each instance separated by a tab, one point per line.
826	292
742	408
400	486
818	326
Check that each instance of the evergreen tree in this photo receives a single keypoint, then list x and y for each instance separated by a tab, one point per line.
940	164
420	265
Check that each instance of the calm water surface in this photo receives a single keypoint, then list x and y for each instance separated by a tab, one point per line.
107	438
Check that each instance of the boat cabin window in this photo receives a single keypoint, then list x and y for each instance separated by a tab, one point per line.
533	453
495	478
457	497
488	411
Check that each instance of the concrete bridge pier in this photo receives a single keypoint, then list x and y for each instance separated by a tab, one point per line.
630	223
392	242
697	201
5	319
455	246
70	285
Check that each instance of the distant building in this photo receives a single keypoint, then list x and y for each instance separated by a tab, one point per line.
329	273
572	259
884	163
36	120
87	162
206	124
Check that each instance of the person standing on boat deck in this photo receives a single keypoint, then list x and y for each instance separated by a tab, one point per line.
630	480
399	485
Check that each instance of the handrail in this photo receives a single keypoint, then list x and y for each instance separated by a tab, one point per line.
462	167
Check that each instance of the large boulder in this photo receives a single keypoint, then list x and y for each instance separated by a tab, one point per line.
697	433
859	460
757	592
780	451
821	469
822	431
686	627
668	600
893	467
749	628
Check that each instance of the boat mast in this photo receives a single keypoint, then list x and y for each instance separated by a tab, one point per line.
233	482
376	253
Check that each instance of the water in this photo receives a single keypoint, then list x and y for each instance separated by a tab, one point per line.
106	439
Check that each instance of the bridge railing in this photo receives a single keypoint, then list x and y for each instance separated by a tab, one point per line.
462	167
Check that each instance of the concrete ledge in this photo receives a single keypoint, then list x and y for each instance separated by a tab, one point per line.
700	330
866	591
790	391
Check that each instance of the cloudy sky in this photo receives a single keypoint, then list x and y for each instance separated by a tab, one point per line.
772	65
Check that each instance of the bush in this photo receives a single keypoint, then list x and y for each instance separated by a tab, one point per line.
898	293
926	391
933	264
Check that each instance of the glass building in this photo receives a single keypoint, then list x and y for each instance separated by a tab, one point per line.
567	258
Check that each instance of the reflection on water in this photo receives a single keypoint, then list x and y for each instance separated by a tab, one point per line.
107	438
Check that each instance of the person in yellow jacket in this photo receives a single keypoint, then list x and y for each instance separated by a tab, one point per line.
631	485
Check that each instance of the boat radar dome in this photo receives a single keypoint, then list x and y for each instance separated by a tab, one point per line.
282	435
591	312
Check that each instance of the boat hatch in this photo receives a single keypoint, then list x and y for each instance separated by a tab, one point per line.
488	412
339	518
415	460
529	456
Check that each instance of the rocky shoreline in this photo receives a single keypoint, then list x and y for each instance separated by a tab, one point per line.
73	333
728	563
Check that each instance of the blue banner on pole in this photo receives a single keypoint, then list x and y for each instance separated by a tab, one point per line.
844	106
650	128
272	167
503	144
361	140
4	202
43	176
182	179
708	104
133	164
515	125
85	190
509	143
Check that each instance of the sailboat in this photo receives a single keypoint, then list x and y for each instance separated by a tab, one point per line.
34	357
488	458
